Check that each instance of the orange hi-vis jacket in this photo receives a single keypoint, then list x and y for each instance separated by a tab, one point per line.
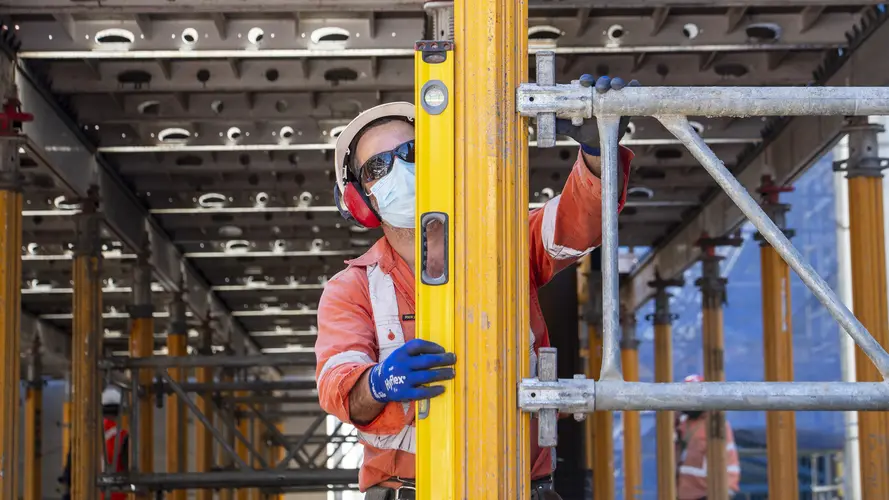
367	311
692	459
112	443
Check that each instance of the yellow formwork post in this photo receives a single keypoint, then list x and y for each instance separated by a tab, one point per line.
33	425
258	439
10	302
176	425
868	256
778	350
713	292
491	246
439	453
142	346
203	437
602	421
632	453
225	413
86	347
66	421
240	447
663	373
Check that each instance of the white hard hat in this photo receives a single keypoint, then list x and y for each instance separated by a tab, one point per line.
344	140
694	377
111	396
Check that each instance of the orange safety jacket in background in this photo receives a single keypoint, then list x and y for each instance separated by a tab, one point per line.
112	441
692	459
367	311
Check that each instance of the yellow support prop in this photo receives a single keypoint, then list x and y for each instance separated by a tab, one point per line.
491	247
632	453
257	437
603	429
142	346
778	350
223	458
33	426
176	426
203	437
66	425
868	256
712	287
241	448
439	453
663	372
10	317
86	347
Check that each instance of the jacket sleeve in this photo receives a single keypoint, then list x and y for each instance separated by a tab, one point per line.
346	347
569	226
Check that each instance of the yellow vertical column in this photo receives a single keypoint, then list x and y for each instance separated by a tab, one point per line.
663	373
176	425
33	425
86	348
203	437
259	444
225	461
602	421
632	453
868	256
66	421
142	346
240	447
491	245
280	452
713	292
778	350
10	304
439	453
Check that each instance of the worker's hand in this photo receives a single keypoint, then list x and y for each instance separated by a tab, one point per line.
403	375
588	133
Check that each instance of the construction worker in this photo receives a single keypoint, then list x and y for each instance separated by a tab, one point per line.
370	368
115	439
691	450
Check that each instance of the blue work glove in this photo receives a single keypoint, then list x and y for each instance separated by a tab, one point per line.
588	133
403	375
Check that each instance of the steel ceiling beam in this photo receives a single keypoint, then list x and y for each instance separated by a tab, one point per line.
795	145
58	144
96	7
117	55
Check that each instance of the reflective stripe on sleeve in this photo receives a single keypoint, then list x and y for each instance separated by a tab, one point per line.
405	440
342	359
693	471
548	234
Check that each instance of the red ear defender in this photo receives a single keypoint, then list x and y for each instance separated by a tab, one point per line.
354	205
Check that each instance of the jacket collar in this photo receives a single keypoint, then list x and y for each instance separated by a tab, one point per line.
381	254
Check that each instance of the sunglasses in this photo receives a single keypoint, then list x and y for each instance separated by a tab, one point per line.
379	165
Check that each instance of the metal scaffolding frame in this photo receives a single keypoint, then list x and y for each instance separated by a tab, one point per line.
669	105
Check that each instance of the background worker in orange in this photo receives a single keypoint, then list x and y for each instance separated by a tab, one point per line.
691	453
370	368
115	440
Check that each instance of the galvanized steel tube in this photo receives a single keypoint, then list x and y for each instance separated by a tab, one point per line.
609	134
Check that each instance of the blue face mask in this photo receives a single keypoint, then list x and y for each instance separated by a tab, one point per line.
396	195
